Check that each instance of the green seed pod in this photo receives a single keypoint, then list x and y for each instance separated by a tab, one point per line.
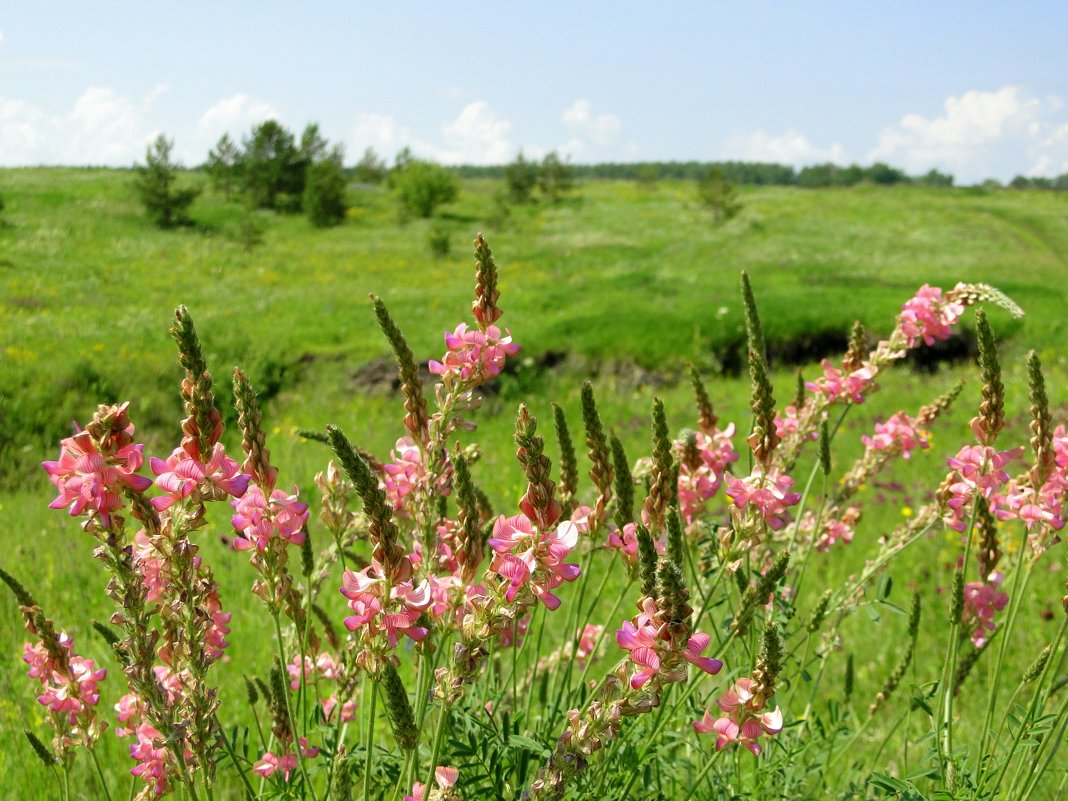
398	708
1036	668
568	465
416	418
819	613
646	561
956	610
624	484
39	748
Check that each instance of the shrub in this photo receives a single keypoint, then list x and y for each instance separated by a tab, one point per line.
438	240
555	177
272	169
423	186
717	194
370	169
224	166
166	205
522	178
324	193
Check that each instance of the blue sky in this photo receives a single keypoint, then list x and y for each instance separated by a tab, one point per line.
975	88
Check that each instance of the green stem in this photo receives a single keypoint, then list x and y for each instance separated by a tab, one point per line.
700	776
233	759
100	774
370	742
289	706
435	752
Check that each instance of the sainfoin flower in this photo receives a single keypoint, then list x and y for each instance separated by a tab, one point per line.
982	600
381	606
898	434
270	763
528	558
445	778
740	722
90	480
259	519
183	472
978	469
626	541
474	356
152	757
769	493
652	652
929	316
837	384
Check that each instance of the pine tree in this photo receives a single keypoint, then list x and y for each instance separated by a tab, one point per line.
166	205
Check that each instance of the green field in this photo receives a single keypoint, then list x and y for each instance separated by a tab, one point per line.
619	282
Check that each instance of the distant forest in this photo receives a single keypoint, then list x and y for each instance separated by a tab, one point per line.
757	173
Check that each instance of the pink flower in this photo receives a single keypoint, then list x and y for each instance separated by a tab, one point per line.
834	531
445	778
259	519
768	493
899	433
89	479
129	710
649	645
788	423
348	709
587	642
581	518
696	486
270	764
982	599
474	356
929	316
183	473
379	606
152	756
539	564
835	383
626	540
978	469
741	723
404	473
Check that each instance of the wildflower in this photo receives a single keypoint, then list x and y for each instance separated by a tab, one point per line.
587	642
381	606
183	473
152	757
898	434
474	356
767	492
445	778
403	474
348	709
978	469
525	557
740	723
258	519
650	647
837	383
982	599
929	316
91	474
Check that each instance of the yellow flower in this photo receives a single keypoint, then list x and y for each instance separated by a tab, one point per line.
906	511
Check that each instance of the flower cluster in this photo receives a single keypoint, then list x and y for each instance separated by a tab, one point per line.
258	519
382	604
929	316
899	434
68	684
744	719
285	763
982	599
977	470
526	557
90	475
766	492
837	383
183	473
653	652
474	356
625	540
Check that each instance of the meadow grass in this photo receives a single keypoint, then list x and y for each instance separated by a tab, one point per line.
630	282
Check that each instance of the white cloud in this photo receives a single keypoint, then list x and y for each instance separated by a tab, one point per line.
381	132
104	127
981	134
235	115
477	136
790	147
598	129
22	131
